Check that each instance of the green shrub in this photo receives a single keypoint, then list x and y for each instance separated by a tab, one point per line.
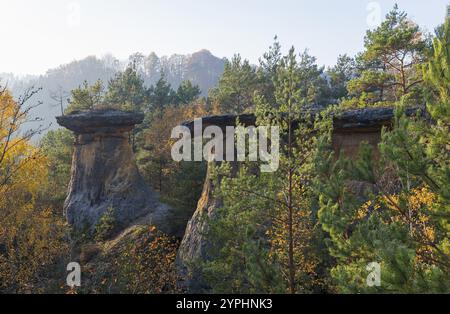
106	226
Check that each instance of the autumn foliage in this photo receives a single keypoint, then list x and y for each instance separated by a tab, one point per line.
31	235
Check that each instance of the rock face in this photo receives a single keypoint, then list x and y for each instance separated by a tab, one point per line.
350	129
194	246
104	173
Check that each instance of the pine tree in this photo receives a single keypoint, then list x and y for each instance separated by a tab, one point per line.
312	85
236	87
389	66
186	93
262	236
339	76
267	70
86	97
402	221
437	75
161	95
127	91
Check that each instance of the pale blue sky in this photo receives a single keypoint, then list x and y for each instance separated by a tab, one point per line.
37	35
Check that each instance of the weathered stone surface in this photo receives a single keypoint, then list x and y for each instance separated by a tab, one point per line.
350	129
367	119
352	120
224	120
194	246
104	173
101	121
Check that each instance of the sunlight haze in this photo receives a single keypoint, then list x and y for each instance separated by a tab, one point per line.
45	34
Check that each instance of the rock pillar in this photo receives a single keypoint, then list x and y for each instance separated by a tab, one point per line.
104	173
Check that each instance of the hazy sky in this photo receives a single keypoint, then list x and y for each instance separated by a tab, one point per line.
38	35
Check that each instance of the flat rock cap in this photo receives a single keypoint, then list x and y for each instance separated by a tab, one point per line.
100	120
364	118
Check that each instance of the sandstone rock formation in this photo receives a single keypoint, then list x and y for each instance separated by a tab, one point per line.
104	173
350	129
194	246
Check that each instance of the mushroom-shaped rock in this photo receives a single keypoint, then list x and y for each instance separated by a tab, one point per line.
350	128
104	174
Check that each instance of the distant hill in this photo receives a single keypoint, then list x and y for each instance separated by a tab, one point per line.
201	68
